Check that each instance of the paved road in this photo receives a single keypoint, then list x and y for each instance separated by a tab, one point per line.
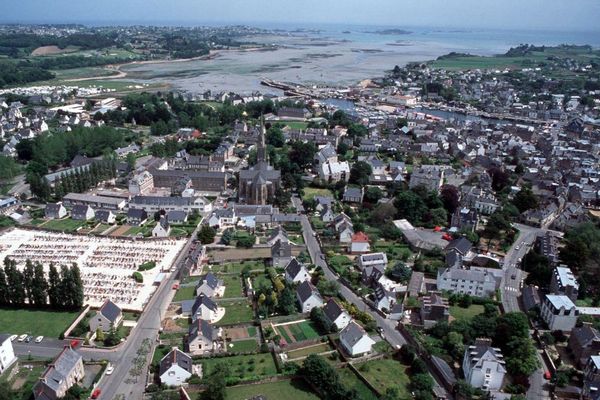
121	383
392	335
511	287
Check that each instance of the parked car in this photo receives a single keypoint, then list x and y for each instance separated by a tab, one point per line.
39	339
22	337
28	339
96	393
109	369
13	337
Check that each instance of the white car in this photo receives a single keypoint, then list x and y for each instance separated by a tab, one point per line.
109	369
12	338
39	339
22	337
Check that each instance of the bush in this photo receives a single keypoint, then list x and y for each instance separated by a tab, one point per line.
138	277
147	266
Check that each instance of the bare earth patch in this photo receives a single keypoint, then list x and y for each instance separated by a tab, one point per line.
51	50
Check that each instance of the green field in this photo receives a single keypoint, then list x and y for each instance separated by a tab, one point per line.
465	314
236	268
236	312
185	293
243	346
384	374
63	225
296	390
244	367
306	351
301	125
350	381
310	193
233	286
34	322
300	331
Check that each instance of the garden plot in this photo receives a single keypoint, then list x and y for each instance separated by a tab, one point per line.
297	331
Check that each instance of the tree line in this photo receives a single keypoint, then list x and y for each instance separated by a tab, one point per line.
59	290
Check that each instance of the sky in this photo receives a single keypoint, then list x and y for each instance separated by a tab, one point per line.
560	15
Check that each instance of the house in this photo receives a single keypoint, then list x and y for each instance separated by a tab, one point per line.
108	316
461	246
429	176
177	217
345	232
55	211
209	285
564	282
162	228
142	183
353	195
384	298
295	272
322	202
484	366
559	312
584	342
372	259
359	243
591	379
396	312
308	296
278	234
281	254
474	282
136	216
531	297
372	268
434	309
175	368
201	338
106	216
354	340
327	214
7	353
222	217
81	212
65	371
336	315
203	308
325	154
334	171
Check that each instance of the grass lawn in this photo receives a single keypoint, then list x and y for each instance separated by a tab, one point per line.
385	374
351	381
305	330
236	312
233	286
185	293
244	367
236	268
297	390
251	331
310	193
178	232
34	322
243	346
64	225
101	228
296	124
23	380
306	351
131	316
465	314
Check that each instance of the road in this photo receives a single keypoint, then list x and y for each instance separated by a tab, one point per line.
511	288
121	383
392	335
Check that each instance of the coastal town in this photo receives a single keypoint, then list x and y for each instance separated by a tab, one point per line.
431	233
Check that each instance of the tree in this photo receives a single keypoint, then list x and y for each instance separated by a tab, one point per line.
227	236
207	234
54	290
100	335
113	337
372	195
328	288
318	317
77	296
14	280
39	290
500	178
130	161
4	290
421	382
159	128
215	384
246	241
450	198
28	280
525	200
384	212
287	301
410	206
275	137
360	173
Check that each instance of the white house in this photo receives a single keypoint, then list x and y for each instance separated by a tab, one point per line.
162	228
201	338
335	314
359	243
334	171
355	340
204	308
372	260
82	212
7	353
295	272
109	315
559	312
484	366
65	371
55	211
175	368
210	286
308	296
222	217
474	282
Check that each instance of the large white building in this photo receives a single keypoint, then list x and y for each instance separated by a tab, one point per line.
334	171
7	353
559	312
483	365
480	282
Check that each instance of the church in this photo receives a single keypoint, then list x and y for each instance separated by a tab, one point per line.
258	184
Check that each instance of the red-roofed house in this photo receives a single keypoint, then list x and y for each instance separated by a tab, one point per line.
360	243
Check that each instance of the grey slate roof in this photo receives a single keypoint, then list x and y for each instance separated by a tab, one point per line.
352	333
210	279
200	300
176	357
102	215
305	290
281	249
332	310
137	213
202	328
58	370
110	310
176	215
293	268
462	245
79	210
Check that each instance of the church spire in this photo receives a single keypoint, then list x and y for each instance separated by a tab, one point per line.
261	153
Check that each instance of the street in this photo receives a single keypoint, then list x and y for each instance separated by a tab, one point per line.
392	335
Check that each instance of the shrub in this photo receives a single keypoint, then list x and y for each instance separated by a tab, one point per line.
138	277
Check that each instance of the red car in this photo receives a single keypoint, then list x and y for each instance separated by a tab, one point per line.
96	393
547	375
74	343
175	286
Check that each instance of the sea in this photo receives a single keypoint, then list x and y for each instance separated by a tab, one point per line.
338	55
